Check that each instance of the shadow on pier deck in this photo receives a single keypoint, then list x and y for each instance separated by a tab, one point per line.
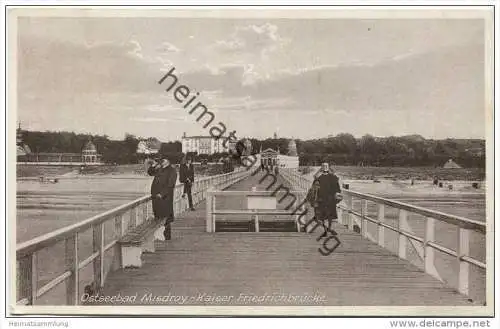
273	268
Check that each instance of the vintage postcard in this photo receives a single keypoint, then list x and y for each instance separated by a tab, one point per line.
250	161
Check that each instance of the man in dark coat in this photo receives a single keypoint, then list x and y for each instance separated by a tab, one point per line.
162	192
328	195
186	176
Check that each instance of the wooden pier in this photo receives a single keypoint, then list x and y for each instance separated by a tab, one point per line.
202	266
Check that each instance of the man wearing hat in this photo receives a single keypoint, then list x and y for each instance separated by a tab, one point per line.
186	176
162	191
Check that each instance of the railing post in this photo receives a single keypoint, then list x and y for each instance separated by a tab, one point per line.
196	192
381	229
364	221
340	215
200	191
429	236
183	206
148	208
257	228
295	203
350	214
72	264
213	215
462	266
135	216
209	211
145	211
98	246
178	201
28	278
119	229
402	239
132	219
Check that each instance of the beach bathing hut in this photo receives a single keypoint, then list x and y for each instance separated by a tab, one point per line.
450	164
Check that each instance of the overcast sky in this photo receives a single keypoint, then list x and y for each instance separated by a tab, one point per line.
302	78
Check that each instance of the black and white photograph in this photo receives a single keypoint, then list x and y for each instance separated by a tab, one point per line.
251	161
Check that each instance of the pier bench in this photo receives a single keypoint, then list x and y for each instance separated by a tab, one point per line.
254	223
138	240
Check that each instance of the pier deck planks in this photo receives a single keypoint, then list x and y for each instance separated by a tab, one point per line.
199	264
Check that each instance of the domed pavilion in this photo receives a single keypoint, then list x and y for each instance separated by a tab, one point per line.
89	153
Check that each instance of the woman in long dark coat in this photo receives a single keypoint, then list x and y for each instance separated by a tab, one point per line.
328	195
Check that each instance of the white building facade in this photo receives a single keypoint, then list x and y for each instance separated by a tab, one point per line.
151	146
203	145
270	159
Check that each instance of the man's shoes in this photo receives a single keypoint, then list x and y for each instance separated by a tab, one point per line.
192	209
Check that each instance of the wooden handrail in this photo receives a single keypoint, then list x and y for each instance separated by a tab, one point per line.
49	239
254	212
253	193
451	219
424	246
26	252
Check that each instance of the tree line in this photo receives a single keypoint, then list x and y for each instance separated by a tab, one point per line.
412	150
342	149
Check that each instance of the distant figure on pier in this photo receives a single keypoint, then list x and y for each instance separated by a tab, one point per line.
435	181
228	165
328	195
312	198
162	192
186	176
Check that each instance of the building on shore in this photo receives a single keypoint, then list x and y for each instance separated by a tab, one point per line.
24	153
203	145
149	146
271	159
22	149
89	153
292	148
89	156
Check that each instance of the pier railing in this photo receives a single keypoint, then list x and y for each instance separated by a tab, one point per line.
425	246
212	212
118	220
